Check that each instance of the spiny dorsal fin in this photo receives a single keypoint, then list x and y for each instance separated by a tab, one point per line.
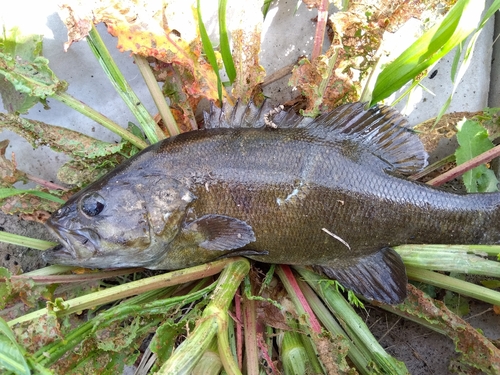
249	116
381	130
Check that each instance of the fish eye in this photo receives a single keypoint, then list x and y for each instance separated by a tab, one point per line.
92	204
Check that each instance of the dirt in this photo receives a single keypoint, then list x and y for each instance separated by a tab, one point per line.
19	259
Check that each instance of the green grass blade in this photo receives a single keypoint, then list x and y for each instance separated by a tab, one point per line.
209	49
157	95
352	323
147	123
225	48
449	259
490	12
435	43
11	355
458	72
129	289
265	7
455	285
99	118
32	243
9	192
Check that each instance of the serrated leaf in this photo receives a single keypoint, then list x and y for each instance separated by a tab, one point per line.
473	140
163	342
27	47
11	357
30	77
58	138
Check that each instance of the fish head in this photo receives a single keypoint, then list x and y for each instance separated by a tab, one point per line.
119	221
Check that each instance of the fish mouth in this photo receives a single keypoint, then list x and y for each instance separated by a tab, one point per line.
75	244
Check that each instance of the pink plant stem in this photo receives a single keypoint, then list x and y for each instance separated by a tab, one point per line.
239	332
485	157
265	353
315	326
320	29
47	184
250	324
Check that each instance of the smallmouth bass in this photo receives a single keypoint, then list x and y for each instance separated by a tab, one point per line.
327	193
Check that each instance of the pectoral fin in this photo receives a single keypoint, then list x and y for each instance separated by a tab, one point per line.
218	232
380	276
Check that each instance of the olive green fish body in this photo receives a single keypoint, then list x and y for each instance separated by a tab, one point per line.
327	194
290	188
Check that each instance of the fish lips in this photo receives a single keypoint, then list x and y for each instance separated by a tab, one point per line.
75	244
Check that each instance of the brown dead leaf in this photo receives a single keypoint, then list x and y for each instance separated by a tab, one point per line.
310	76
476	350
496	309
160	30
392	14
142	28
8	169
249	73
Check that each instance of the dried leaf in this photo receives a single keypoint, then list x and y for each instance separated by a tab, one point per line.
324	86
142	28
59	139
249	73
476	350
9	174
83	172
29	207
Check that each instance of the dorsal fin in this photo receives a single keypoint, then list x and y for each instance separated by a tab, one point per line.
381	130
249	116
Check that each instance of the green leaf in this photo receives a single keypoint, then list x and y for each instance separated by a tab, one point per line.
435	43
473	140
24	47
208	49
465	60
28	73
11	356
5	287
9	192
225	48
492	284
122	87
32	243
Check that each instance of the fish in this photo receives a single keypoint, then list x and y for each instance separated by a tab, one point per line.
330	193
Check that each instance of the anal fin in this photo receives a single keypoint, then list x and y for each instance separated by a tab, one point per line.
380	276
